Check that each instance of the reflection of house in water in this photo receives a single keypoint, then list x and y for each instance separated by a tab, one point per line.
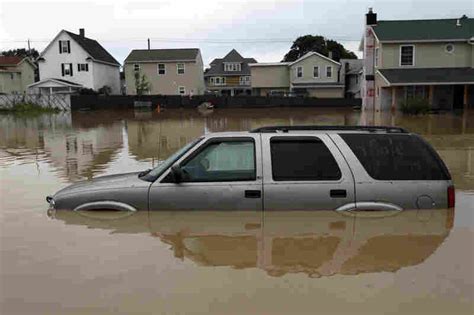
317	243
82	153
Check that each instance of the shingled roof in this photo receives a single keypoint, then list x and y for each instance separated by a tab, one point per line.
144	55
217	65
428	76
93	48
411	30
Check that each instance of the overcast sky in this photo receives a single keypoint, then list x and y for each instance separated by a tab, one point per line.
213	26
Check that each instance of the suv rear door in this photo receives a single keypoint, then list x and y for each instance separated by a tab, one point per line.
304	172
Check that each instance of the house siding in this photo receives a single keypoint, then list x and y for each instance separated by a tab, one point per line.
428	55
308	64
270	76
105	75
167	84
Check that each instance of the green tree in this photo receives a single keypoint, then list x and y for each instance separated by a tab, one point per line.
141	84
307	43
21	52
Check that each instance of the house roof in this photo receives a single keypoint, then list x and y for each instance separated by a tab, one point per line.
165	55
217	65
93	48
354	66
428	76
269	64
313	53
317	84
411	30
10	60
56	80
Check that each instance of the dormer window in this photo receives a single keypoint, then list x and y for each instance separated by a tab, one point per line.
232	66
64	47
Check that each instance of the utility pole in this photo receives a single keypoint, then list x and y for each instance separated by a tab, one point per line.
148	44
29	48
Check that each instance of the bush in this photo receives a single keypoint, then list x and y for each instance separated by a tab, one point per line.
29	108
415	106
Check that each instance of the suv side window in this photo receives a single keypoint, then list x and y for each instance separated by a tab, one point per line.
222	161
302	159
396	157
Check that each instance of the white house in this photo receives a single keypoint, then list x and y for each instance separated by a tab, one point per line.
76	60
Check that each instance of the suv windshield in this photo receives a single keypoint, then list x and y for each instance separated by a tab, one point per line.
157	171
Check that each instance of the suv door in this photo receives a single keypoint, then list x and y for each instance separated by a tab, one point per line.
305	173
223	173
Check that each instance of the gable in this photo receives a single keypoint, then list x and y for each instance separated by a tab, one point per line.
314	58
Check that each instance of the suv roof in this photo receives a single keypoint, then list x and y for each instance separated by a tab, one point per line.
387	129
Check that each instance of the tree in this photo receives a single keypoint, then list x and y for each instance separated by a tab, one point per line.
304	44
141	84
21	52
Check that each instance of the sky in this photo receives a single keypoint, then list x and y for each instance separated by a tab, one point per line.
262	29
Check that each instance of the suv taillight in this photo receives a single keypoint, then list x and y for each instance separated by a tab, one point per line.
451	197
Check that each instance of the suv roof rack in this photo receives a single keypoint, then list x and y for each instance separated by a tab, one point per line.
388	129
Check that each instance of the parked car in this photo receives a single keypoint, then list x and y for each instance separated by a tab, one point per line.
280	168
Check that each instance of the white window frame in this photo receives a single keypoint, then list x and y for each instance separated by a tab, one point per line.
400	56
316	67
183	88
68	67
211	80
178	68
244	80
298	71
64	47
136	67
232	66
330	72
376	57
82	67
158	69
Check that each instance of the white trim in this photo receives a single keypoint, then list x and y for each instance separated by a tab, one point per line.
383	77
179	90
316	77
422	41
329	67
177	68
312	53
400	55
104	62
297	72
159	61
72	84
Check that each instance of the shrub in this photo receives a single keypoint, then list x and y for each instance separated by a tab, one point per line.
29	108
415	106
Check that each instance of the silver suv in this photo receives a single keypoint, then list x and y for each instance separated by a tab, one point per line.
280	168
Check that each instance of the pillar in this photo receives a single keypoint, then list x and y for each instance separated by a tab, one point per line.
466	95
431	95
394	98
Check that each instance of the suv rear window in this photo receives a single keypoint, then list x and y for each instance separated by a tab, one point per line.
302	158
396	157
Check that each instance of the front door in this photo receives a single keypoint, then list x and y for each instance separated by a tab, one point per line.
222	174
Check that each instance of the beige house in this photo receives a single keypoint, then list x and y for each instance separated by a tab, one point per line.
430	59
168	71
16	74
313	75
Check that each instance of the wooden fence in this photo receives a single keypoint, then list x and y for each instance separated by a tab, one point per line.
60	101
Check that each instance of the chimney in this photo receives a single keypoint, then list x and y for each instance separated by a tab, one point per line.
330	54
371	18
82	33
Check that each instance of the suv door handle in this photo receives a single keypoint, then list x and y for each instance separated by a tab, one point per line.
253	194
338	193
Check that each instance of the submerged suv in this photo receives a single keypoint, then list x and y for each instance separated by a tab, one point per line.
280	168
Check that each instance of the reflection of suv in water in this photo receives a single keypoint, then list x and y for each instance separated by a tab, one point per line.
280	168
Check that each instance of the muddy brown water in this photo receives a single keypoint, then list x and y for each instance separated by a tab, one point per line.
417	262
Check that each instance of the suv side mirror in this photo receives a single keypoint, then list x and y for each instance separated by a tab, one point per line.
177	173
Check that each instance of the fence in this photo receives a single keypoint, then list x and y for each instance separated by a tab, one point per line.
79	102
60	101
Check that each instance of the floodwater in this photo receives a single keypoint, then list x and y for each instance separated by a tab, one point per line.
416	262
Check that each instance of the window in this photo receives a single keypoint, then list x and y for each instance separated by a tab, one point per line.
415	91
181	90
232	66
376	59
180	68
222	161
136	67
329	71
315	72
449	48
407	55
302	159
82	67
299	72
218	81
64	47
161	69
66	69
211	80
396	157
245	80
